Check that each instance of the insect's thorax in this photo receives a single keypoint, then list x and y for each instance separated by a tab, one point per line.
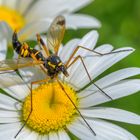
54	66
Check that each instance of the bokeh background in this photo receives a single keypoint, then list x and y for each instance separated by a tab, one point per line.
120	27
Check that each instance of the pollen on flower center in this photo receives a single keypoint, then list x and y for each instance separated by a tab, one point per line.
52	110
12	17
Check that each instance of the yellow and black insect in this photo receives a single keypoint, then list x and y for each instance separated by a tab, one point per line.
51	64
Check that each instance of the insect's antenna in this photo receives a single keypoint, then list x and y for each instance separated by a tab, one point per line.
93	132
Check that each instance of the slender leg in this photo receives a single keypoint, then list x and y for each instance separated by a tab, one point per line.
61	85
41	66
98	53
80	58
41	42
32	83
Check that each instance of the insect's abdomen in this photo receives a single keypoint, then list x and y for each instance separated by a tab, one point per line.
24	50
38	54
16	44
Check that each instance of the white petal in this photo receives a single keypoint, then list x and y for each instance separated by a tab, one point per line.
43	9
53	136
109	131
82	131
88	41
7	103
110	79
111	114
24	134
11	3
81	21
63	135
3	49
68	49
5	31
80	77
8	131
15	85
31	74
31	29
73	5
8	116
121	89
23	6
32	136
45	137
9	120
103	63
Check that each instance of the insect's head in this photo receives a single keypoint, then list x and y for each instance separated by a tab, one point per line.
56	65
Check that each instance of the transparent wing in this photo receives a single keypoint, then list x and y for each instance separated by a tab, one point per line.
55	34
13	64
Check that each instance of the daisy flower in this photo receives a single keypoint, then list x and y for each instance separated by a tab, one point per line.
54	117
35	16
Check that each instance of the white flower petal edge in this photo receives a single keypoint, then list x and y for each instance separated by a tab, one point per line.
81	21
110	79
3	49
121	89
41	9
15	85
111	114
105	130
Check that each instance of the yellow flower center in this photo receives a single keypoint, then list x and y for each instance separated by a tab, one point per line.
52	110
12	17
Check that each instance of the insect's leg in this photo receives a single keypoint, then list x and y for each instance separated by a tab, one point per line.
41	66
41	43
62	87
93	51
80	58
32	83
11	71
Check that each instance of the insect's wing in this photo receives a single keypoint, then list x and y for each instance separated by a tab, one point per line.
55	34
13	64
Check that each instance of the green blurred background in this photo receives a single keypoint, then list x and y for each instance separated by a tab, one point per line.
120	27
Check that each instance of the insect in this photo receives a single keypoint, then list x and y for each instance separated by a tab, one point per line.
51	64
